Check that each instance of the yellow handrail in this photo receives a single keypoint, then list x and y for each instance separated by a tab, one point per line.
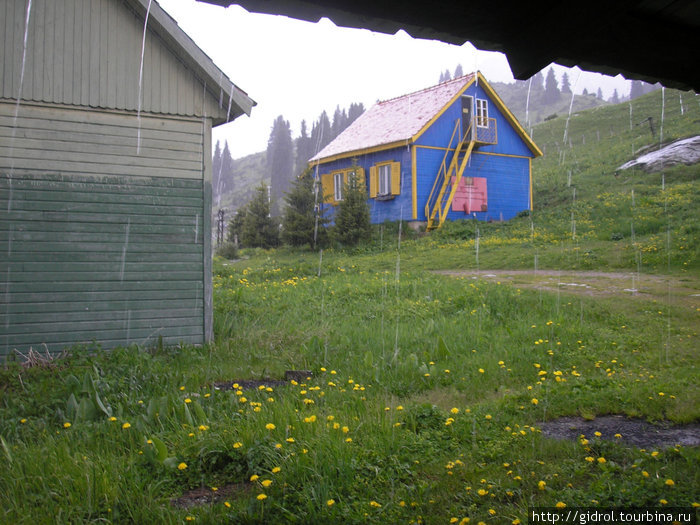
442	170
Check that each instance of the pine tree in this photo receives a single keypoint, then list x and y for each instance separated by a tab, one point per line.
537	85
226	172
216	176
320	133
615	99
258	229
299	223
280	161
340	119
565	85
235	225
352	219
304	150
551	89
599	94
356	109
584	92
459	72
636	89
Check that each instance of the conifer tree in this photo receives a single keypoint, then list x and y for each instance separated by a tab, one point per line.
599	94
299	223
637	89
304	150
551	89
226	172
615	99
352	219
216	175
565	85
280	161
258	229
459	72
321	133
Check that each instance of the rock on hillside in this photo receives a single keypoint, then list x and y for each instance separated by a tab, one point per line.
684	151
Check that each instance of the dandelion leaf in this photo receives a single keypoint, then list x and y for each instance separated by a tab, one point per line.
442	351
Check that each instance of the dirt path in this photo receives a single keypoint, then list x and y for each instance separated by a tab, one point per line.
684	290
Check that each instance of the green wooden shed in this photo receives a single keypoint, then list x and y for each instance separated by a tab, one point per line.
105	175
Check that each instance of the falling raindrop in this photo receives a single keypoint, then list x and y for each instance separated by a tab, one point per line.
140	90
663	111
124	248
571	106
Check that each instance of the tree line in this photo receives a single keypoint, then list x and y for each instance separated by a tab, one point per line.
285	157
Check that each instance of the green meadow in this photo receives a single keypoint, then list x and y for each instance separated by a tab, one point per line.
427	393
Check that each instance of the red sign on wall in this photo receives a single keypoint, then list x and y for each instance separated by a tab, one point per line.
471	195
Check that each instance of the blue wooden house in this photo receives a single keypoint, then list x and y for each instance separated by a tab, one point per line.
451	151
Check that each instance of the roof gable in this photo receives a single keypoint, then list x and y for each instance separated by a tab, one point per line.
397	120
402	120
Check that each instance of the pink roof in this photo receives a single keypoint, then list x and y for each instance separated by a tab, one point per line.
394	120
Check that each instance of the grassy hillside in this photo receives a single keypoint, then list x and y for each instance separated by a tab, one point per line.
515	97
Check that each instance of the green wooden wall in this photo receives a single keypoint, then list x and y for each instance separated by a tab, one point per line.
117	260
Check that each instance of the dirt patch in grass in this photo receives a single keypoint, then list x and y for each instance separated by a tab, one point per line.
206	495
684	290
636	432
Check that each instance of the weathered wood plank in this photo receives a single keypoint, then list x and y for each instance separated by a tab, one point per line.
90	207
98	297
131	268
33	318
146	229
136	200
55	327
95	257
88	336
114	276
116	247
19	215
109	308
122	183
191	287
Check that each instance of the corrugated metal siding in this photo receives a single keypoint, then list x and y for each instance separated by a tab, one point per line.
88	53
118	260
47	139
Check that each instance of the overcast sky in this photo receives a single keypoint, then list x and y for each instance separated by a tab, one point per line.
298	69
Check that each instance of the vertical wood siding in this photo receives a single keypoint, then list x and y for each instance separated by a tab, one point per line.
117	260
88	53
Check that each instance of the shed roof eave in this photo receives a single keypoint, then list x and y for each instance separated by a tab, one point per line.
213	77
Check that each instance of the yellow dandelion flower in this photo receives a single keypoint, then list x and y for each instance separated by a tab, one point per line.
266	483
275	470
270	426
261	497
330	502
66	425
182	466
541	485
597	434
481	370
601	460
534	401
454	410
590	459
182	388
345	430
492	512
669	482
188	400
227	504
560	505
254	477
482	492
290	440
348	440
375	504
663	501
237	444
487	416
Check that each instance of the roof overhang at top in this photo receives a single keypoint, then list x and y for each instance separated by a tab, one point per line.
650	40
236	101
401	121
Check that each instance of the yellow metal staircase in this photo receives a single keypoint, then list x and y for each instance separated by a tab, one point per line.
447	181
481	131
